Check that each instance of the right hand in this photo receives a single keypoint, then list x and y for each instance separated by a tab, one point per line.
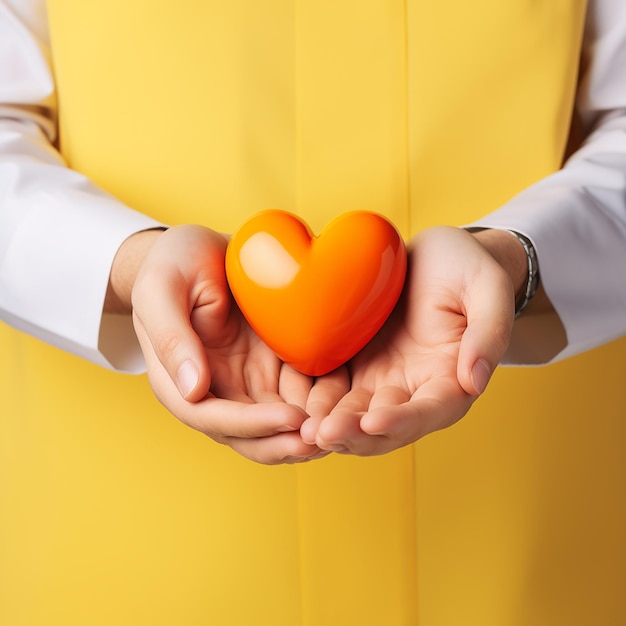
205	363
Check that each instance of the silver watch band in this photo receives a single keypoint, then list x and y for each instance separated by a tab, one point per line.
533	273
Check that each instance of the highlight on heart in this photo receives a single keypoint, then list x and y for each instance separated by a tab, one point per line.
316	300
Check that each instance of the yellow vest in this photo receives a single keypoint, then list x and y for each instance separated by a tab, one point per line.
113	513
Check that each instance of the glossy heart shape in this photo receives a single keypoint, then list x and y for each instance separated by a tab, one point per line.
316	301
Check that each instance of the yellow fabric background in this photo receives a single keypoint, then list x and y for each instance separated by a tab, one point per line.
206	111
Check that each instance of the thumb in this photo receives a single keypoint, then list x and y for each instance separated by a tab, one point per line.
162	322
487	335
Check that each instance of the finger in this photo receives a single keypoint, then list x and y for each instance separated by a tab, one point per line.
394	418
161	315
237	416
341	426
388	396
278	449
357	400
219	418
293	386
310	428
490	316
325	395
437	404
327	391
340	429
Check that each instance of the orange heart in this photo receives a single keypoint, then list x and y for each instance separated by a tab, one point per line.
316	301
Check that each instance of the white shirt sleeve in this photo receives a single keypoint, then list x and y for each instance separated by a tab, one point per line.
58	232
576	218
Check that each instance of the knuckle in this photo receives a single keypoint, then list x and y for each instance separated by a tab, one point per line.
147	281
166	342
502	334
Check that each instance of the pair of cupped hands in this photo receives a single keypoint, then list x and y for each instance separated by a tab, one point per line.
422	371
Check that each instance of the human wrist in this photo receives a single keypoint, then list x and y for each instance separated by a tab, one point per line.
124	270
509	252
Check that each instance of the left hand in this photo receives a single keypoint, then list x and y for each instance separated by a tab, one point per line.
434	355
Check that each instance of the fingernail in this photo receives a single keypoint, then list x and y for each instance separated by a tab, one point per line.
334	447
308	430
286	428
187	378
481	373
